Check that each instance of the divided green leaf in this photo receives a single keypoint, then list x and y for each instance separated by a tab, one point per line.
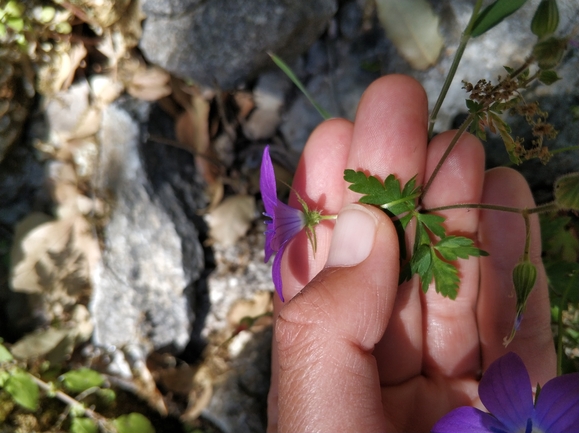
433	223
559	238
446	280
563	282
455	247
567	192
387	195
493	14
82	379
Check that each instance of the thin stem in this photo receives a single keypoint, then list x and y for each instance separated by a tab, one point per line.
453	143
525	214
476	206
548	207
452	71
65	398
564	149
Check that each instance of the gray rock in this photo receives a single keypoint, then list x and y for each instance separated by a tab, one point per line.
152	256
225	42
239	402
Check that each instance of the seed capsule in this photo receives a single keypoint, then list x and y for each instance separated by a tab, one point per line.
546	19
524	277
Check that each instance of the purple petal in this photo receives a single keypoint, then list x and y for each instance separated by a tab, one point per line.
267	183
287	222
276	272
269	234
505	390
557	409
468	420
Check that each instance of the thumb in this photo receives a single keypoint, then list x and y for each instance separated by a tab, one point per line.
328	379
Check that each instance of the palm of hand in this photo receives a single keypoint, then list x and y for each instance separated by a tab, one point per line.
414	356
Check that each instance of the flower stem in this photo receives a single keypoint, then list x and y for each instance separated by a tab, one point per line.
452	71
476	206
453	143
548	207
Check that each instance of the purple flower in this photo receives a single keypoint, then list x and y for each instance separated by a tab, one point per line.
505	390
285	223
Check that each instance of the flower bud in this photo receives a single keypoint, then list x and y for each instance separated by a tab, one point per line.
549	52
546	19
524	277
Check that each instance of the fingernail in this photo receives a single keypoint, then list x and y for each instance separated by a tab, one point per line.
353	236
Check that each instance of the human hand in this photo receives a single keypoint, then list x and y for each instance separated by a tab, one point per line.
352	351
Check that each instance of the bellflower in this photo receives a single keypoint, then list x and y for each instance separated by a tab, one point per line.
505	390
285	221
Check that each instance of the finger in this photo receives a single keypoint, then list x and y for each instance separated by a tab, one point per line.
328	378
319	181
390	138
450	328
502	234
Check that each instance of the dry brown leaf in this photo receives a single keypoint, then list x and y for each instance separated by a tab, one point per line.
412	26
149	84
200	396
245	103
178	380
192	131
55	345
53	259
260	304
231	219
146	388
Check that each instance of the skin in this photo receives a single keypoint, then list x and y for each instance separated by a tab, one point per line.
352	350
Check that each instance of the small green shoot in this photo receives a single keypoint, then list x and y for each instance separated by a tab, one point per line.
287	70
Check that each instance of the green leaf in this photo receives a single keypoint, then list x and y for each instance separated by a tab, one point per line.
548	77
473	106
493	14
421	261
287	70
388	195
567	192
4	376
5	354
16	24
454	247
23	389
83	425
107	395
446	278
563	279
133	423
433	223
559	237
82	379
